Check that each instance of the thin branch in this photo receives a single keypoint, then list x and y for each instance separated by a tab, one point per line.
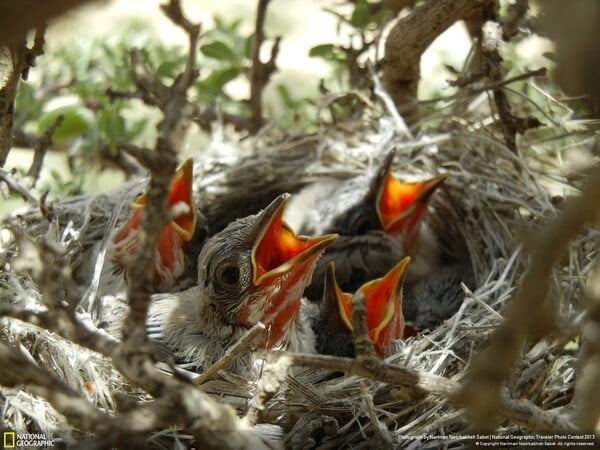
541	72
260	72
232	353
162	164
365	349
16	187
383	438
41	145
387	101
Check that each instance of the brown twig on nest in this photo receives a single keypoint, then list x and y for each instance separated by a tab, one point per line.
260	72
482	388
15	61
136	355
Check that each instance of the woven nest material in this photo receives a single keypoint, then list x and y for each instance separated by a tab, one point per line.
492	198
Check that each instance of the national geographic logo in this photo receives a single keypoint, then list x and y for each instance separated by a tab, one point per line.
20	440
9	439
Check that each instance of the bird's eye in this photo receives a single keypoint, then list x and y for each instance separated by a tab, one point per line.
228	274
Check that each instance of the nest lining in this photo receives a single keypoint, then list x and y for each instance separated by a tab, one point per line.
491	198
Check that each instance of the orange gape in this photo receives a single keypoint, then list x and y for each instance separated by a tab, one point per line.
282	264
401	205
383	302
169	264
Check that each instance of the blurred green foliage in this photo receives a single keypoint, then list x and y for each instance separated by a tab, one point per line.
73	80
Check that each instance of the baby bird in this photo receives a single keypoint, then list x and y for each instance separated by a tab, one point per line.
380	220
385	320
256	269
171	263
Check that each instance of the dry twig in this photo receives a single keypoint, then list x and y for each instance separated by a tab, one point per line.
260	72
15	186
232	353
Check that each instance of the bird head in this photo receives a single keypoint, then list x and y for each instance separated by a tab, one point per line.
401	205
257	269
383	297
169	264
389	204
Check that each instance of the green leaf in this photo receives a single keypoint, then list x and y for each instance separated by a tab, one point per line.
168	69
112	124
361	16
219	50
136	127
286	96
323	51
78	121
248	46
219	78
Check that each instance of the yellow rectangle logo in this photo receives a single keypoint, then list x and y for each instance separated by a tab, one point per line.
9	439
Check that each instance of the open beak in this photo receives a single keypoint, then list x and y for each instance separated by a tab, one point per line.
335	296
179	230
180	194
282	266
401	205
383	297
277	249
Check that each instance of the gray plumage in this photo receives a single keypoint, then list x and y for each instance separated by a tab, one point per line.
431	300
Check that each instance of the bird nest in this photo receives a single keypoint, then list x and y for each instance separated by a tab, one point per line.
418	398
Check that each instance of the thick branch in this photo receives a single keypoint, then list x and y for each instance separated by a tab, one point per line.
15	61
587	394
19	17
162	164
407	41
483	385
